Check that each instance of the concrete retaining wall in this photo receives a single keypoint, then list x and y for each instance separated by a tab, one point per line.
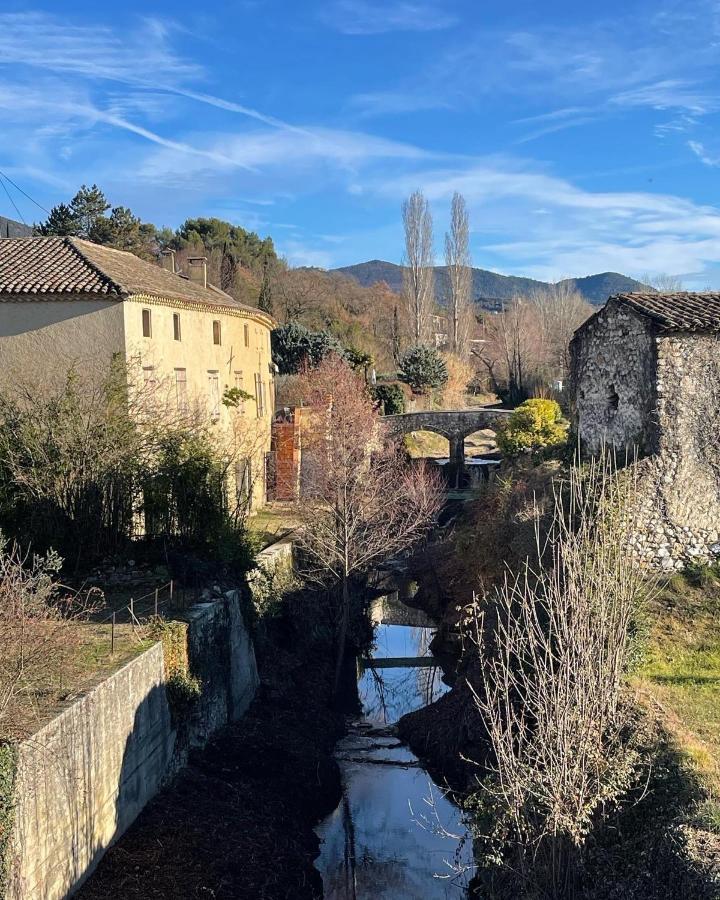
85	776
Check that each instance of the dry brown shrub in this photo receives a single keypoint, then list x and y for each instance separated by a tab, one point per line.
460	374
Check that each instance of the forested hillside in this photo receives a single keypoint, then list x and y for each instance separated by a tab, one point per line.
492	286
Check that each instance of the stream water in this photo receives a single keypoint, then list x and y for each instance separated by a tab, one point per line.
395	835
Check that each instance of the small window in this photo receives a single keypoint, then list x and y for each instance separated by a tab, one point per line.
216	333
214	387
259	395
240	385
176	327
147	323
181	389
247	335
149	378
613	399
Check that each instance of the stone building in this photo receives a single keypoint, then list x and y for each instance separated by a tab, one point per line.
67	303
645	381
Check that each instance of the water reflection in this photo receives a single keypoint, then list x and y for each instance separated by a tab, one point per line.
394	836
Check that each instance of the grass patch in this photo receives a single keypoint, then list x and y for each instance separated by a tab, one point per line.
271	523
680	675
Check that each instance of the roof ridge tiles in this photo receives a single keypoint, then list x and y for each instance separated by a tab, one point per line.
115	287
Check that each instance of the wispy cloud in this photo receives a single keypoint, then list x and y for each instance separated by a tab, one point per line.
566	228
709	159
47	42
362	17
141	59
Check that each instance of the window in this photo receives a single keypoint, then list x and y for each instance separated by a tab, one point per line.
214	387
147	323
176	326
243	483
216	333
149	378
181	389
240	385
613	400
247	335
259	395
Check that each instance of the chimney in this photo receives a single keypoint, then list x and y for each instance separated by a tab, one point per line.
197	269
167	260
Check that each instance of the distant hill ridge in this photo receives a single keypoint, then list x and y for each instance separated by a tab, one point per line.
9	228
489	286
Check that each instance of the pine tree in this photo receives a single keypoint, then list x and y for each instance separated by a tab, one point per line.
89	206
265	299
61	222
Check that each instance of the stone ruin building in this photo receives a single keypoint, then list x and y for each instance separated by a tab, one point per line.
645	381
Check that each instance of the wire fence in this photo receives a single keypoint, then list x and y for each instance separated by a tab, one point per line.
139	611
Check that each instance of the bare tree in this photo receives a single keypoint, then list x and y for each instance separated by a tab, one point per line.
562	309
663	282
361	503
459	271
513	348
418	273
549	685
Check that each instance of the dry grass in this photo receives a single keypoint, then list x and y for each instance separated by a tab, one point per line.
90	663
273	522
680	674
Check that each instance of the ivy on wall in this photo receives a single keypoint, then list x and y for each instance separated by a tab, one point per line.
183	689
8	772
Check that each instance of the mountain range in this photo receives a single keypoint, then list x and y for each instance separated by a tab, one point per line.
489	288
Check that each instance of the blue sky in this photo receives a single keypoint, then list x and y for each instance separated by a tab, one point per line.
583	135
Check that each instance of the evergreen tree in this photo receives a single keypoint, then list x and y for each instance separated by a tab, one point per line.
89	206
265	298
423	368
61	222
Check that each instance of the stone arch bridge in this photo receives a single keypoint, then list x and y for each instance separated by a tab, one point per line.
455	425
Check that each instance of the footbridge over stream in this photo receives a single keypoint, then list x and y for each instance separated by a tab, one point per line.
455	425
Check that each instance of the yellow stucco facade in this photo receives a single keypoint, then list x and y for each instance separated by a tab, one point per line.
191	352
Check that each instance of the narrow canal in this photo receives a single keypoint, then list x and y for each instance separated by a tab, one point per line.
395	835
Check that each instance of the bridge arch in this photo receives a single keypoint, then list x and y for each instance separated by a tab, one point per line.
455	425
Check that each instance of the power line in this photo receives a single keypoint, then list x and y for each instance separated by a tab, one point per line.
12	201
18	188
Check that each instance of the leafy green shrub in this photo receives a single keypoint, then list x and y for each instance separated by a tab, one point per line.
701	574
390	397
358	359
183	692
423	368
536	425
294	345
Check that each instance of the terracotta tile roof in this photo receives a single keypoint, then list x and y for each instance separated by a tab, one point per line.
31	268
50	265
680	310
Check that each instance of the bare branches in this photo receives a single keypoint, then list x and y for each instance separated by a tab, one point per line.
418	274
550	689
459	271
38	633
360	502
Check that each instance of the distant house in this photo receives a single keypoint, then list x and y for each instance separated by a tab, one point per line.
67	302
11	229
645	380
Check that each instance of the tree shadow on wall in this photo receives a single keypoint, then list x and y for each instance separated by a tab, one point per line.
97	808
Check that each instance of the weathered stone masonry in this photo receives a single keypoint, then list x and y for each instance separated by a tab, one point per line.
646	380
